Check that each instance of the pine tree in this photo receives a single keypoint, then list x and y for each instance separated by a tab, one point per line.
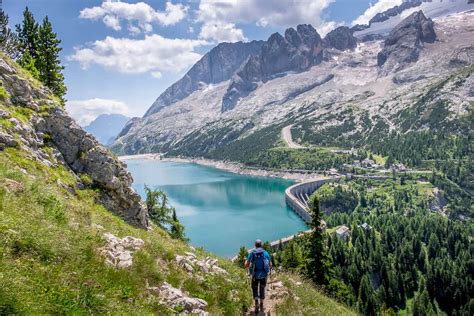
242	256
317	267
28	63
157	206
176	228
366	300
48	62
292	256
8	40
28	34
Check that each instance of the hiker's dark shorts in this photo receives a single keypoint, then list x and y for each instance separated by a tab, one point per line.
258	288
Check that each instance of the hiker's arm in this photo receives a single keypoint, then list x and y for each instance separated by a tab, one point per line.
247	264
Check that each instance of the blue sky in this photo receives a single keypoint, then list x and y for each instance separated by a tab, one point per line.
120	55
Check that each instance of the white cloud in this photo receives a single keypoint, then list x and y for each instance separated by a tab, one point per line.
379	6
282	13
327	27
139	16
154	54
85	111
112	22
221	32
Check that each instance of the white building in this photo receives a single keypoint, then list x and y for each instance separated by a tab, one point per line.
343	232
366	226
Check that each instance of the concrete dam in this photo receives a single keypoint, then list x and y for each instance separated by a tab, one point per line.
297	196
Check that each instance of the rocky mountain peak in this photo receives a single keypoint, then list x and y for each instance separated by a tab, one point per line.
405	41
218	65
340	38
297	51
309	34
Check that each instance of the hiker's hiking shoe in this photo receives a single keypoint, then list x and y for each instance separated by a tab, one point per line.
261	306
257	307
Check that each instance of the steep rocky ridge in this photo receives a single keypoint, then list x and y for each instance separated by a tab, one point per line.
341	101
216	66
340	38
396	10
405	41
72	146
297	51
381	24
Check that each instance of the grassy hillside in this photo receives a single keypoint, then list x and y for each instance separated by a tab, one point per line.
51	233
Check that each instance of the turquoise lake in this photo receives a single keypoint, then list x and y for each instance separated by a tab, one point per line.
221	211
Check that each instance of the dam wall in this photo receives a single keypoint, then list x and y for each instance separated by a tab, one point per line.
296	196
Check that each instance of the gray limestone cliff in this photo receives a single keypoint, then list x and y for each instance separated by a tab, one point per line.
216	66
405	41
340	38
297	51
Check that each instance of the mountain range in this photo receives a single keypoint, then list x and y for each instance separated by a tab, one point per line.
410	68
106	127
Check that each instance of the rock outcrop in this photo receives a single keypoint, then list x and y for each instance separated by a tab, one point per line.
216	66
405	41
45	119
84	155
192	264
340	38
119	252
175	298
297	51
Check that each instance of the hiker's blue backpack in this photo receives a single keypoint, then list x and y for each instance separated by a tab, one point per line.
261	264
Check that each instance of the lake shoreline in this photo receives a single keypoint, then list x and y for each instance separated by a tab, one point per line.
233	167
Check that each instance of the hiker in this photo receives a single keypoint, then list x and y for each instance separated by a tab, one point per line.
259	264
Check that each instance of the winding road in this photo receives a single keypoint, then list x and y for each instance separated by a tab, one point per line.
286	135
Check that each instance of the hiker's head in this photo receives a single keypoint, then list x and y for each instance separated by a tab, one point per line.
258	243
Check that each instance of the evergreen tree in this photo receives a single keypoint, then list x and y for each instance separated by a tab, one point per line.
242	256
266	245
157	205
366	300
8	39
176	228
28	34
48	62
292	257
317	266
28	63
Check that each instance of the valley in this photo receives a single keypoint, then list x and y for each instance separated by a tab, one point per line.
341	152
210	201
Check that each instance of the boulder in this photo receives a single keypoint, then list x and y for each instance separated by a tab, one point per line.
119	252
7	141
191	263
174	297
